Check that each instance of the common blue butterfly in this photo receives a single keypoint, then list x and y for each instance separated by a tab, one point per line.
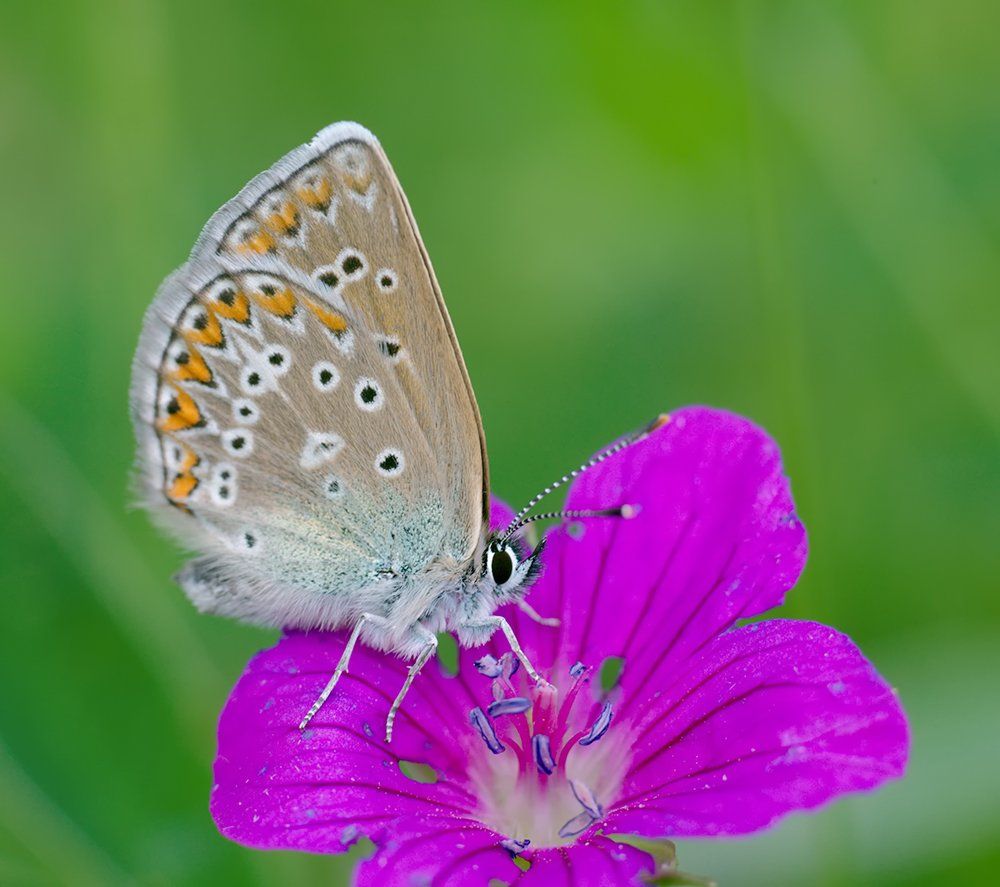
306	423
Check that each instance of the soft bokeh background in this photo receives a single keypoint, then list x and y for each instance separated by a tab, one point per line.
791	209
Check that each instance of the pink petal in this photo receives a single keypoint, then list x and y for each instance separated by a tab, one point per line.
595	862
437	850
501	514
768	718
454	853
716	540
320	790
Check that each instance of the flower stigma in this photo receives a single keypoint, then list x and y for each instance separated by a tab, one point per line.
545	762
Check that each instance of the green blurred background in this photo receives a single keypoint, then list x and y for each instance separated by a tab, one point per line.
790	209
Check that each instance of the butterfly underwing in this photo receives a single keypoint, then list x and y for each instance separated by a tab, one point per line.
305	421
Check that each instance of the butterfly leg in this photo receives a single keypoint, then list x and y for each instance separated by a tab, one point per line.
345	658
495	622
429	650
534	616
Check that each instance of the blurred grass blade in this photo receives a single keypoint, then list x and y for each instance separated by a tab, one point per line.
81	525
62	849
928	242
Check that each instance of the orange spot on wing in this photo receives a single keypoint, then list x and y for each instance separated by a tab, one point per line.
194	370
358	181
332	320
316	195
286	220
189	461
232	305
259	242
182	413
184	482
210	334
280	302
182	486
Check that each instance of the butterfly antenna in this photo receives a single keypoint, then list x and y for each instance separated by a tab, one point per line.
626	511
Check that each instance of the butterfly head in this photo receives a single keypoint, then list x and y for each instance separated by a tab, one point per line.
509	568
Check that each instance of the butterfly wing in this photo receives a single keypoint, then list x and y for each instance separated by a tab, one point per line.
304	416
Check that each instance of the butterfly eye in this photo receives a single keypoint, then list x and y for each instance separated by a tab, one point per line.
501	564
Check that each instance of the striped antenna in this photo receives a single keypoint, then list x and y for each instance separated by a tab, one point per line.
625	511
627	441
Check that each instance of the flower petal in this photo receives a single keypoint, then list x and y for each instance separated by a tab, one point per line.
594	862
445	852
769	718
320	790
448	853
716	539
501	514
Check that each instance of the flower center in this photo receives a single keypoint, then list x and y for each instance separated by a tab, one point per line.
549	764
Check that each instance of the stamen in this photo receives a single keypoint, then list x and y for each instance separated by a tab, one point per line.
599	727
541	748
592	811
488	666
586	798
567	706
509	665
577	825
513	705
513	846
478	719
577	669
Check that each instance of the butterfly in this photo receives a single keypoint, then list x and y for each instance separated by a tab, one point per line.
305	421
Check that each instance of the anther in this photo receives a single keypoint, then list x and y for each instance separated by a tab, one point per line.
592	811
599	727
513	705
578	824
514	847
509	665
577	669
488	666
586	798
541	748
478	719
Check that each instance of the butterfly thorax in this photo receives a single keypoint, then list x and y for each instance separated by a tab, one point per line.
434	600
431	598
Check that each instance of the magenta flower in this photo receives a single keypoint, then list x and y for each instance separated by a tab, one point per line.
714	728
